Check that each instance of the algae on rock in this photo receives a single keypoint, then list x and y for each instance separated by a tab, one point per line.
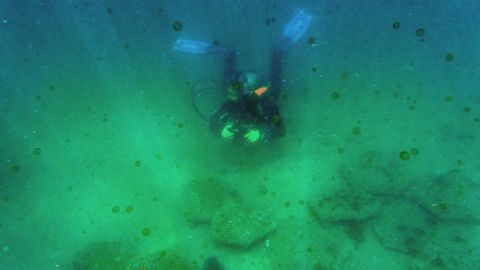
241	226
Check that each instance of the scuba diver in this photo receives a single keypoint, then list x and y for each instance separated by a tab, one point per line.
250	113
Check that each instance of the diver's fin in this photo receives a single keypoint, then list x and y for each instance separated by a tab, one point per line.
296	27
196	47
191	46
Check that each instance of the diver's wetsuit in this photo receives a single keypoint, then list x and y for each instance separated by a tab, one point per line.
247	111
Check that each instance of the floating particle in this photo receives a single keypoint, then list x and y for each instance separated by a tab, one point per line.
448	98
287	204
418	231
138	163
109	10
312	40
179	125
309	249
404	155
268	21
356	131
396	25
129	209
443	206
411	107
314	69
301	202
146	231
105	118
449	57
14	168
37	151
340	150
420	32
262	190
414	151
236	85
335	95
177	26
276	118
115	209
284	96
438	263
466	109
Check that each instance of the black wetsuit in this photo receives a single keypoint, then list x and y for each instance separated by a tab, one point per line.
251	111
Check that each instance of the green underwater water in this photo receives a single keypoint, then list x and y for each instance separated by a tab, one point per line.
106	165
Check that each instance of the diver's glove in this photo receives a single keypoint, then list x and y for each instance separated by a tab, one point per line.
252	135
227	132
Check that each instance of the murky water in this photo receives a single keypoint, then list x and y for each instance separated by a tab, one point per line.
108	160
